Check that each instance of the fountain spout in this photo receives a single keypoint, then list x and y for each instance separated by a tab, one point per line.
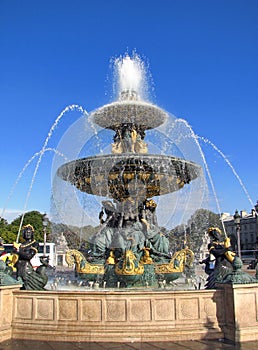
128	95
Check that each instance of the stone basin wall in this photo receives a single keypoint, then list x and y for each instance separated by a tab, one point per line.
117	316
124	316
6	310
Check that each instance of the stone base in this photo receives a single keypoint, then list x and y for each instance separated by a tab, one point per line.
242	312
229	312
6	311
121	316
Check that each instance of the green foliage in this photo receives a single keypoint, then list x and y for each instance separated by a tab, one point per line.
75	236
33	218
192	233
3	222
9	231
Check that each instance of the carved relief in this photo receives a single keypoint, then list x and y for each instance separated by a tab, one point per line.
45	309
188	309
140	310
91	310
68	309
164	310
116	310
24	308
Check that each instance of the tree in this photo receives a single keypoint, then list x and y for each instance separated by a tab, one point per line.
176	238
3	222
192	233
9	233
75	236
34	218
198	224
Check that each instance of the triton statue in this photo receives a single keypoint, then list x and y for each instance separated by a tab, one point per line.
220	251
24	252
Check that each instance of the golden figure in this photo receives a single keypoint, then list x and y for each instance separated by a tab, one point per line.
111	259
177	263
73	256
217	246
146	259
129	141
128	267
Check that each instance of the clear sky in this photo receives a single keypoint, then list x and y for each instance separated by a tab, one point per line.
203	57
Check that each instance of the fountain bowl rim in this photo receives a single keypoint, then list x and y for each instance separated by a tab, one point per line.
145	114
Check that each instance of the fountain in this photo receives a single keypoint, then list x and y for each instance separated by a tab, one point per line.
129	247
127	269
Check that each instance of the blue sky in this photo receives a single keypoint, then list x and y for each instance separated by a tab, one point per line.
203	57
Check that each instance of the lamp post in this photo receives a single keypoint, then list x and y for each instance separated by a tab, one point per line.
45	223
237	224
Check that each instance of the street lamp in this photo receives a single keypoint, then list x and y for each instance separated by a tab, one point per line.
45	223
237	224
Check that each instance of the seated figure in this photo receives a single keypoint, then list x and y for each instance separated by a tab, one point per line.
24	252
222	252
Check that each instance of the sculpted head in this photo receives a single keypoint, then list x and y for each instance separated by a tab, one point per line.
214	233
28	232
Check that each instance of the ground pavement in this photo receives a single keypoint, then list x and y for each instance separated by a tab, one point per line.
177	345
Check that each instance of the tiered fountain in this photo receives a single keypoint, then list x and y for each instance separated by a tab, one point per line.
129	249
128	185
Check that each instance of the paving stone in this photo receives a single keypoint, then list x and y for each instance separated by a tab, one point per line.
165	346
253	345
15	344
144	346
117	346
91	346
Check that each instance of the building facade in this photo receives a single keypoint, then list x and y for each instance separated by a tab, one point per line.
248	230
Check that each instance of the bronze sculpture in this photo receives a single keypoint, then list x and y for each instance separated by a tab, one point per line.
24	252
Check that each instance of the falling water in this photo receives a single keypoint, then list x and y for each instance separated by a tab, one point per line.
24	169
169	140
41	153
195	138
231	167
205	140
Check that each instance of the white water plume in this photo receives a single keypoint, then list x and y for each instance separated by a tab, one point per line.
131	76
